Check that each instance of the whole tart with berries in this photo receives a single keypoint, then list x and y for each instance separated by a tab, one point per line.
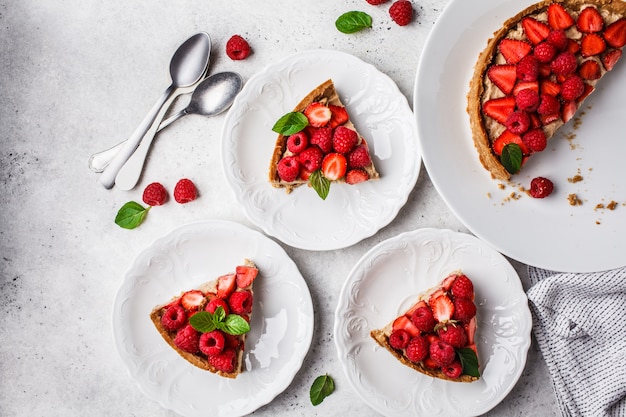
207	325
318	144
435	336
536	72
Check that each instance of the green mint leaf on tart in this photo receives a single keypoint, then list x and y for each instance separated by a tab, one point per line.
320	184
204	322
469	361
511	157
352	22
290	123
322	387
235	325
131	215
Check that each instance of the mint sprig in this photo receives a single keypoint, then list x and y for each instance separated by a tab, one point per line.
291	123
320	183
354	21
511	157
131	215
205	322
469	361
322	387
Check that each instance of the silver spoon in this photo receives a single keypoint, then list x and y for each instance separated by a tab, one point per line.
212	96
187	67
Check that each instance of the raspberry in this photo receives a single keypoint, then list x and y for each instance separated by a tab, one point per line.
297	142
212	343
288	168
174	318
417	349
572	88
442	353
240	302
376	2
401	12
185	191
527	100
237	48
224	361
453	370
464	309
462	287
541	187
356	176
423	319
311	158
344	139
188	339
544	52
323	137
518	122
564	64
453	335
231	341
399	339
528	68
154	194
215	303
359	157
548	105
535	140
558	39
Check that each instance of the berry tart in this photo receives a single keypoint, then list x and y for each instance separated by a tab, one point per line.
317	145
436	335
535	73
207	326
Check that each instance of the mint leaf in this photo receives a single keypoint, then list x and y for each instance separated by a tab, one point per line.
320	184
291	123
235	325
131	215
322	387
469	361
219	315
511	157
203	321
354	21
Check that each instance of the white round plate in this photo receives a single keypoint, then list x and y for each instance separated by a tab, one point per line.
282	324
547	233
350	213
386	282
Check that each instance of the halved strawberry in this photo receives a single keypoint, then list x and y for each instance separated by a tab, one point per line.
226	285
568	109
443	308
592	44
318	114
447	282
590	20
334	166
588	90
615	33
245	275
339	115
503	76
558	17
536	31
417	305
550	87
525	85
589	70
504	139
572	46
499	108
470	330
356	176
190	300
610	59
514	50
405	323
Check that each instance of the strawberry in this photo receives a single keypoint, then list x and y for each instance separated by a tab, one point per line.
588	90
615	33
548	105
558	17
318	114
592	44
535	31
514	50
504	139
443	308
339	115
334	166
568	110
503	76
589	70
610	59
550	87
525	85
590	20
499	108
417	305
245	275
403	322
190	300
573	46
470	330
226	285
356	176
447	282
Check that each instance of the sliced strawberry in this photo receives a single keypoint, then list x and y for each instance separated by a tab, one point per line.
447	282
536	31
504	139
610	59
503	76
443	308
245	275
590	20
334	166
404	323
550	87
417	305
558	17
549	118
499	108
568	109
588	90
318	114
514	50
615	33
572	46
356	176
437	293
544	70
470	329
589	70
525	85
191	299
339	115
226	285
592	44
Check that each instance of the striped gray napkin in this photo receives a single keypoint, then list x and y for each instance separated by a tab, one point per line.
580	327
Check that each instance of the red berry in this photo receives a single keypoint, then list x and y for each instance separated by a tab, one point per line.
401	12
174	318
535	140
423	319
188	339
527	100
232	341
215	303
541	187
548	105
442	353
212	343
323	138
376	2
359	157
544	52
454	336
518	122
288	168
453	370
344	139
191	299
318	114
245	275
154	194
558	39
237	48
224	361
185	191
572	88
565	63
464	309
462	287
334	166
297	142
311	158
417	349
528	68
240	302
356	176
399	339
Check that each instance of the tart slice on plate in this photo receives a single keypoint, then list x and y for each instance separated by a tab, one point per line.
207	325
318	145
435	336
536	72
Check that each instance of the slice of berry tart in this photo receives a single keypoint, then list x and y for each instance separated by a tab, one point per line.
536	72
318	144
436	335
207	326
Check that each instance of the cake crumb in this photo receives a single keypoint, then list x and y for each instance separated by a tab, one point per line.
501	186
489	196
612	205
574	200
576	178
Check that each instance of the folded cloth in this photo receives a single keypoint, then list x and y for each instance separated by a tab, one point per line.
580	327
